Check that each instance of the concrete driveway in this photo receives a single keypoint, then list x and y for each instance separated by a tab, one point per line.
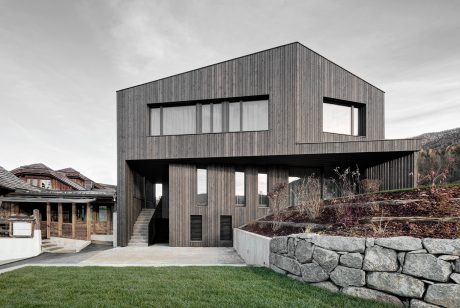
156	255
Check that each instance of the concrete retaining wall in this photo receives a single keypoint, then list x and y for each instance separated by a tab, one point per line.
13	248
400	270
254	249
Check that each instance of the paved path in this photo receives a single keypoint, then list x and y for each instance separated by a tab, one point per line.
156	255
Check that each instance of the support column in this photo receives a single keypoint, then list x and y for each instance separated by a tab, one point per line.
60	219
48	220
74	218
88	221
36	214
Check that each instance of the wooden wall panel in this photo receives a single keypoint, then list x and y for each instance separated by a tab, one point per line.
396	173
221	201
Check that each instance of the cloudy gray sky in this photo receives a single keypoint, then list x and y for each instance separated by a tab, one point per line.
62	61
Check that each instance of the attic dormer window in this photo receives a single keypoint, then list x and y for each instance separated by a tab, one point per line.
345	118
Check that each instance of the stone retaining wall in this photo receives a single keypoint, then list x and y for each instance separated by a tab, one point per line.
400	270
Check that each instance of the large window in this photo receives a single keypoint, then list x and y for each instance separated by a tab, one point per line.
202	186
212	117
262	188
240	189
343	118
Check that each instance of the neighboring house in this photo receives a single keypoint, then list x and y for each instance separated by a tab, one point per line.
209	144
70	207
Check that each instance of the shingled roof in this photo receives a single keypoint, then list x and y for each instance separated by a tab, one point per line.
42	169
11	182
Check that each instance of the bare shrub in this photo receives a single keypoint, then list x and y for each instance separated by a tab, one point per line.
368	186
278	202
379	227
308	196
347	182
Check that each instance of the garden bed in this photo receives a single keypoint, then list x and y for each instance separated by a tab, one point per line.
418	213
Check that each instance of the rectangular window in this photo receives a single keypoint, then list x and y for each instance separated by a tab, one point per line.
196	233
255	115
217	118
226	230
155	121
262	188
202	186
206	118
158	193
81	212
234	117
67	213
210	117
342	118
296	179
102	213
179	120
240	189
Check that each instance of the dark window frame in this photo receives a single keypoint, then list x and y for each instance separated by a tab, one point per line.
225	114
352	105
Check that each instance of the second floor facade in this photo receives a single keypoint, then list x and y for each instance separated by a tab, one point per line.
282	101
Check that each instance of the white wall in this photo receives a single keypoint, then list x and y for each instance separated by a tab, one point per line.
12	248
253	248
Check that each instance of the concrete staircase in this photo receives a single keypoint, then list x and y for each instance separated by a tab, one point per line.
140	235
48	246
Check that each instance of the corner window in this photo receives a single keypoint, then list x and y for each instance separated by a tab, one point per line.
343	118
240	189
202	186
262	188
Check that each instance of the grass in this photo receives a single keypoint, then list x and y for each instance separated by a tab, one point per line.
163	286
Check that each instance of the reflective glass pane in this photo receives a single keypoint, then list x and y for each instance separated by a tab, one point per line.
255	115
217	118
206	118
336	119
202	186
356	121
155	121
179	120
240	197
234	117
262	188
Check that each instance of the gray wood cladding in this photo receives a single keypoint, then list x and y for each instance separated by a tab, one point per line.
296	80
396	173
221	201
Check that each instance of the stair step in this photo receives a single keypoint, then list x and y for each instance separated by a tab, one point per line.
49	249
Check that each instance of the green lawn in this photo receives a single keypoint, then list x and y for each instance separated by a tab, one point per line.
163	286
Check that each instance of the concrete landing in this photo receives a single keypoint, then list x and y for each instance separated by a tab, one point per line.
162	255
156	255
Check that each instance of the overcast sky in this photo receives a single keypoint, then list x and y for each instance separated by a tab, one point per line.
62	61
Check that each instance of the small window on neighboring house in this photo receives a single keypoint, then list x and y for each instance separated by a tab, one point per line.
196	228
102	213
240	189
343	118
262	188
226	229
202	186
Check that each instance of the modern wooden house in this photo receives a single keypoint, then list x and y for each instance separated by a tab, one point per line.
70	207
199	151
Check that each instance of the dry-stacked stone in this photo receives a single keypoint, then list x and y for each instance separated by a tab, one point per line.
404	271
